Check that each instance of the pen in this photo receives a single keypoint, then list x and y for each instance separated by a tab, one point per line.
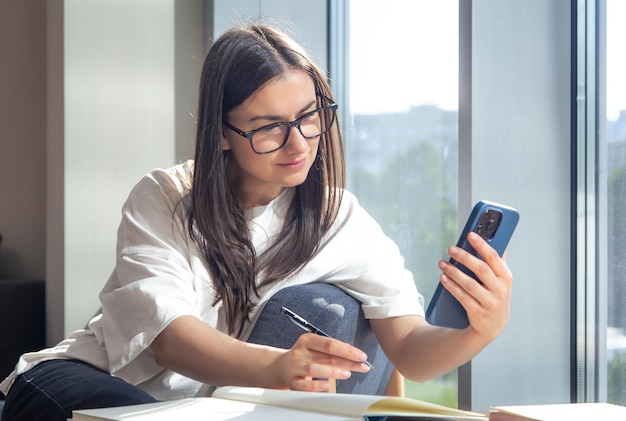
302	323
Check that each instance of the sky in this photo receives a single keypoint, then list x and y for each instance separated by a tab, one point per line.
376	57
379	55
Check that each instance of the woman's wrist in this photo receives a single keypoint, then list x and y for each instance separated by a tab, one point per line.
266	366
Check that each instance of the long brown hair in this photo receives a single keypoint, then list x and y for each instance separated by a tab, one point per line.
238	64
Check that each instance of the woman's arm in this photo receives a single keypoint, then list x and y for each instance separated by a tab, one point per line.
421	351
196	350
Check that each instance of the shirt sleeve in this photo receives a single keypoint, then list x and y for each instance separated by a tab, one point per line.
152	283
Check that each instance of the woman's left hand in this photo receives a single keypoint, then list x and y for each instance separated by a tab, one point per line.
487	304
421	351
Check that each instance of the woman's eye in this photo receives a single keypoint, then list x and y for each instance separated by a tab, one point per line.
270	131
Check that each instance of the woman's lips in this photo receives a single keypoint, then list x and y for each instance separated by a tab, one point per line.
294	165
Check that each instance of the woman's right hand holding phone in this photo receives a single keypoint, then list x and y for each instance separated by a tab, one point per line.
487	303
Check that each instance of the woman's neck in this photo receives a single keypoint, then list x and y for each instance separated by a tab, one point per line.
253	199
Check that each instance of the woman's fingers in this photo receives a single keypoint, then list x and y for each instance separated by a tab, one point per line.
314	359
487	302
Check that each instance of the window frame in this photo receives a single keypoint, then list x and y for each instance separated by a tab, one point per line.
590	277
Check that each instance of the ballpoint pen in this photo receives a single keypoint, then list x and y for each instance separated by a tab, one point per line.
302	323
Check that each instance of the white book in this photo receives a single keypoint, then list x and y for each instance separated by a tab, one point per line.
209	409
246	403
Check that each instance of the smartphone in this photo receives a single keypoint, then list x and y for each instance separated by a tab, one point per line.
493	222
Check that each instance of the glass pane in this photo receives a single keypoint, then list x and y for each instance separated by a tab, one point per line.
616	194
401	136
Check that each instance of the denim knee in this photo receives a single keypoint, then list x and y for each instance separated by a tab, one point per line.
53	389
336	313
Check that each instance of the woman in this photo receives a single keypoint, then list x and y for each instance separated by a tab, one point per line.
203	246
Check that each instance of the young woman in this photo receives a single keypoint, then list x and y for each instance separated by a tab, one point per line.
260	213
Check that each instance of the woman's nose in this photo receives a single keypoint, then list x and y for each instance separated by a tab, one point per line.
296	142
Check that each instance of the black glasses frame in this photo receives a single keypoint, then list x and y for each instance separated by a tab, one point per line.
289	124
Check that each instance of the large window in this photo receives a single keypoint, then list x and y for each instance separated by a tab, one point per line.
448	102
400	120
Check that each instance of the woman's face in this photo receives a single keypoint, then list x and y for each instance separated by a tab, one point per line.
258	179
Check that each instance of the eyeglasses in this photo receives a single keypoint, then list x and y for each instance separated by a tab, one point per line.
270	138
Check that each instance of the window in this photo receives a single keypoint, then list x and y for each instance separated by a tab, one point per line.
601	194
400	121
514	119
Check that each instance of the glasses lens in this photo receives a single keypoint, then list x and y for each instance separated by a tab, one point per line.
270	138
311	125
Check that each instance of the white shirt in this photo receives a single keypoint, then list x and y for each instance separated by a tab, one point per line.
160	275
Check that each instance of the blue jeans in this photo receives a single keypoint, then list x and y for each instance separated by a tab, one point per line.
52	389
337	314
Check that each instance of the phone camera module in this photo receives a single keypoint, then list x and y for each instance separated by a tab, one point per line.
488	224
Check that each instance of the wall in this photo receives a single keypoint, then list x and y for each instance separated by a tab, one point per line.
22	138
128	98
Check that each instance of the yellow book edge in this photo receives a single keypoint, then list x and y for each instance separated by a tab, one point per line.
347	405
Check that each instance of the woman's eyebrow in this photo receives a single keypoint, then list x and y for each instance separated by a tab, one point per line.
270	117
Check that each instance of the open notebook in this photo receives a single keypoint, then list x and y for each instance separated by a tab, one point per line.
244	403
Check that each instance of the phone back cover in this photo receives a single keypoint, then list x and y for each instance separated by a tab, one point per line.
444	309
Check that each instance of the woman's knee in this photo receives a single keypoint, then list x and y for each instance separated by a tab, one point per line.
53	389
336	313
324	305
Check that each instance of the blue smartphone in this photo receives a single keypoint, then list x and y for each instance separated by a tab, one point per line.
493	222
